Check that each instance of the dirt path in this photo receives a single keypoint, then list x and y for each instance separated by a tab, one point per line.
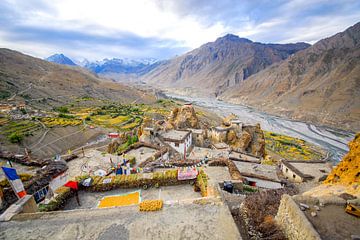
21	92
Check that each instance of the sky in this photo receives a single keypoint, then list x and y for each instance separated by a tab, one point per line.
163	28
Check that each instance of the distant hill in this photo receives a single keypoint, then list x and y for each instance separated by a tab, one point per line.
47	84
319	84
60	59
219	65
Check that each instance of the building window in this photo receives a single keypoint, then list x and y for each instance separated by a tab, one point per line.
176	144
294	176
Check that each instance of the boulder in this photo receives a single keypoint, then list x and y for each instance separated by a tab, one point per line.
184	117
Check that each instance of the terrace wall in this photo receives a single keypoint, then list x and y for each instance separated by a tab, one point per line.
294	222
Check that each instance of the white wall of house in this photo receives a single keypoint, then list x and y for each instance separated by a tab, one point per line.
180	147
290	175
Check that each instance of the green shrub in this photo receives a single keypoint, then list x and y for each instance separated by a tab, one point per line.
62	109
15	137
4	94
63	115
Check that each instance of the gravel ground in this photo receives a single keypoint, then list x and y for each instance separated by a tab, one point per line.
179	221
141	154
332	222
166	193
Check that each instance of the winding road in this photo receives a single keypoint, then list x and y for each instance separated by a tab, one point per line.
332	140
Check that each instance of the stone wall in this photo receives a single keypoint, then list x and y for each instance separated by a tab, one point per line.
293	221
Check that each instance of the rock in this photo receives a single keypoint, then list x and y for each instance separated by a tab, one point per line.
244	140
302	208
317	208
304	205
355	237
323	178
184	117
347	196
313	214
321	204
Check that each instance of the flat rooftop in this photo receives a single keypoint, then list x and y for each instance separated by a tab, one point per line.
200	153
196	131
221	145
267	171
177	221
175	135
221	128
243	157
317	170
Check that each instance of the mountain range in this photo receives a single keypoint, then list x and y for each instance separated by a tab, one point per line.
219	65
114	68
48	84
319	84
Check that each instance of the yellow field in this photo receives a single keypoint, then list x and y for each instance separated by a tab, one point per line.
50	122
118	201
108	120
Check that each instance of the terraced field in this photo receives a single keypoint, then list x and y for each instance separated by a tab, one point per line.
291	148
20	127
62	122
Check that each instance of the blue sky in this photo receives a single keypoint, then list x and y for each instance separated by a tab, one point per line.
162	28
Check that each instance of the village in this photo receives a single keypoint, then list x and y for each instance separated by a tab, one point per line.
207	182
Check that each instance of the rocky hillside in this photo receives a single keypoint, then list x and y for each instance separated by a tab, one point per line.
348	170
44	83
219	65
319	84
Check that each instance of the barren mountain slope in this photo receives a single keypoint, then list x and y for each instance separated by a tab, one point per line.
218	65
35	79
319	84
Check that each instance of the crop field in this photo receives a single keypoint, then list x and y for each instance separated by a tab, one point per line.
62	122
291	148
21	127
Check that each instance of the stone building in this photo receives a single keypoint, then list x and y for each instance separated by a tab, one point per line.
302	171
198	136
219	134
179	140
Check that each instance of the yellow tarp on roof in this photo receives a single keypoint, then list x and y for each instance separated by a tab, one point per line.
120	200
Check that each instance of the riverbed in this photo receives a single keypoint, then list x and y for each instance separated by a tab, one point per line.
334	141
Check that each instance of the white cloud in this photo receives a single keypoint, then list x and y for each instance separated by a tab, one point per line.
163	25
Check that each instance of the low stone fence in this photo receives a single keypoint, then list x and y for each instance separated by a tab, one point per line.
233	170
102	184
294	222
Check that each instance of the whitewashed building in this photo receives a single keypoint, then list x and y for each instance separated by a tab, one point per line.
180	140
